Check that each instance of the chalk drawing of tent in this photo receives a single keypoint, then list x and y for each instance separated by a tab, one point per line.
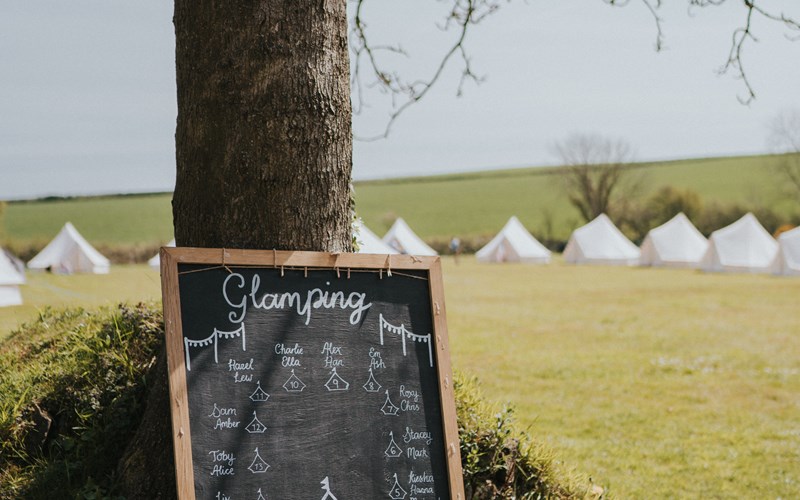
294	384
213	339
259	396
372	385
255	426
393	450
259	466
389	408
404	333
336	382
397	492
326	487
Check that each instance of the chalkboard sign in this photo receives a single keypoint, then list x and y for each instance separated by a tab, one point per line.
303	375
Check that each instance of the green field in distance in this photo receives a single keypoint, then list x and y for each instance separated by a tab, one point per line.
438	207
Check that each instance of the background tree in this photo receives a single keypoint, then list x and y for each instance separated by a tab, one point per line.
784	138
596	173
665	203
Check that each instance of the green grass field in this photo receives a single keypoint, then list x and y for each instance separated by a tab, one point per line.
479	204
125	283
116	220
658	383
468	205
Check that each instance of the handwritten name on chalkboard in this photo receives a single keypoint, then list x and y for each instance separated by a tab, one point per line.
300	383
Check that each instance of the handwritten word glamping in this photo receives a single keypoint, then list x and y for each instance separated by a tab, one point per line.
314	299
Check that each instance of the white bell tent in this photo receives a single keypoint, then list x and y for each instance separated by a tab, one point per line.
676	243
155	261
70	253
18	264
744	246
787	261
10	280
600	242
368	242
514	244
404	240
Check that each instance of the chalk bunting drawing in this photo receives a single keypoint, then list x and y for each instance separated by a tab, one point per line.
404	333
213	339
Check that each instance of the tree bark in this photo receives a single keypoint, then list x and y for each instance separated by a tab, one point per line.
264	134
264	157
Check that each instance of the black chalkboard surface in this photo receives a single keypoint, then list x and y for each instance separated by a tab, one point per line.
309	376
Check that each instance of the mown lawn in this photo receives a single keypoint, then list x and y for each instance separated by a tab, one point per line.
125	283
657	383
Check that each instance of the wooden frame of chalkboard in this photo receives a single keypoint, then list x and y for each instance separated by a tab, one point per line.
309	375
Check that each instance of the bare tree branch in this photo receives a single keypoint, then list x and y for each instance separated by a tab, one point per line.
652	6
784	138
463	14
369	72
739	38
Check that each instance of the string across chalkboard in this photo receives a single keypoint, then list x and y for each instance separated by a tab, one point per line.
294	380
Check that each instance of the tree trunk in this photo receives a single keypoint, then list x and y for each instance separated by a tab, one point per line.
264	137
264	156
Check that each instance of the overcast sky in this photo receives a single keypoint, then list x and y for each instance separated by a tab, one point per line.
88	89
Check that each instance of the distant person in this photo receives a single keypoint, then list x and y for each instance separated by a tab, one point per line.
455	248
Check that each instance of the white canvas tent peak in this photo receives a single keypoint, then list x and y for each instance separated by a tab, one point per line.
16	262
10	280
514	244
368	242
404	240
744	246
600	242
70	253
676	243
787	261
155	261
